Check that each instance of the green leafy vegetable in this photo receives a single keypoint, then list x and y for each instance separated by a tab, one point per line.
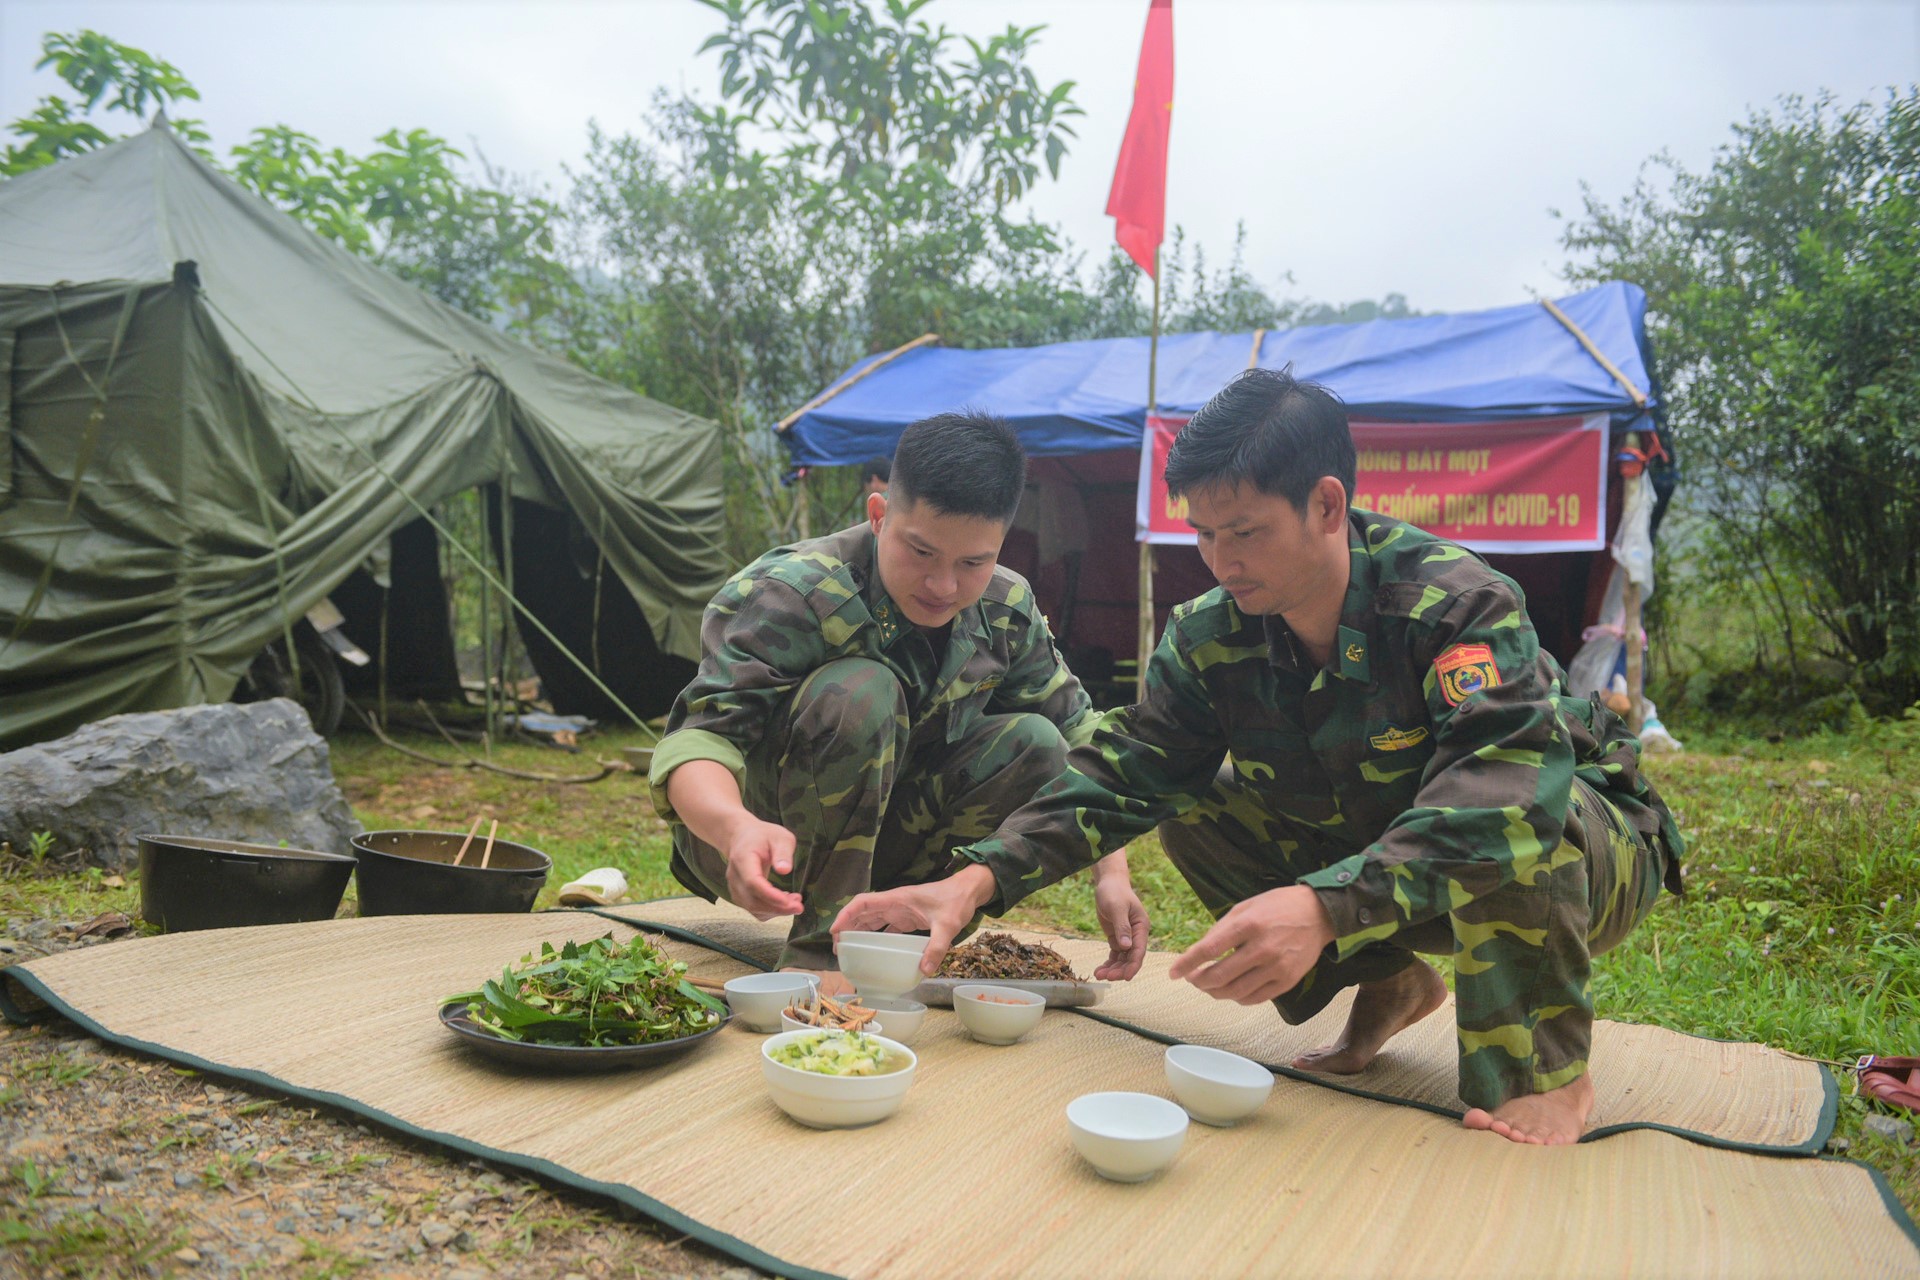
596	994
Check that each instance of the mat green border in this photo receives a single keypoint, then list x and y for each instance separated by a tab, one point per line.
1822	1126
738	1249
658	1210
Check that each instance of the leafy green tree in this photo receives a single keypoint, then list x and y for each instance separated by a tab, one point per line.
856	187
1784	303
408	206
106	74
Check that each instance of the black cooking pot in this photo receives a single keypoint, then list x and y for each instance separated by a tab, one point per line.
406	873
188	882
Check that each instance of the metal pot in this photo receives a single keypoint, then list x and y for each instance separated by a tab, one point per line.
189	882
412	873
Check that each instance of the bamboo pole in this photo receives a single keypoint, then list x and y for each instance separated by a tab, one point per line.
852	378
1639	397
1146	442
1636	709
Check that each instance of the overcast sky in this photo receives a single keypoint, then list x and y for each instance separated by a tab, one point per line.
1369	147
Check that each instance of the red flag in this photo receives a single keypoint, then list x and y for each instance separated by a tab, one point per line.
1138	201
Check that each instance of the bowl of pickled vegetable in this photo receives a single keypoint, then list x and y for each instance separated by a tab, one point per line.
836	1079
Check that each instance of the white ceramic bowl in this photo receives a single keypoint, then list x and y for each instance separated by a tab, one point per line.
1127	1137
1216	1087
835	1102
881	964
997	1015
899	1019
758	998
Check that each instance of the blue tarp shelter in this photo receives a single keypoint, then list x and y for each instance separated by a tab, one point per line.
1080	409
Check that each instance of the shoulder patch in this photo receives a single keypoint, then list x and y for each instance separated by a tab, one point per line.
1464	670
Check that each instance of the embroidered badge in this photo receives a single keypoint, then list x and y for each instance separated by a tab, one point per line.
1398	739
1465	670
1355	653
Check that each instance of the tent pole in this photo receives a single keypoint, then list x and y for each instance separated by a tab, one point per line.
1636	709
386	602
1146	442
507	690
486	631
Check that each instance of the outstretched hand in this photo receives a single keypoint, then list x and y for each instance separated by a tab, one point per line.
942	908
1123	918
754	849
1259	949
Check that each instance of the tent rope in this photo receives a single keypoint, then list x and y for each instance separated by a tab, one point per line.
1253	356
852	378
1639	396
446	534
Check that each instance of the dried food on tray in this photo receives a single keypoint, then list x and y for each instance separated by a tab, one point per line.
999	956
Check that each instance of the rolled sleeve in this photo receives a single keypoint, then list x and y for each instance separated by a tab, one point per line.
678	748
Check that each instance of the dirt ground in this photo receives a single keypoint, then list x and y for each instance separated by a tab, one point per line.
116	1164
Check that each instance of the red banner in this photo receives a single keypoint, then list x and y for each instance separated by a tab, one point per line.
1538	485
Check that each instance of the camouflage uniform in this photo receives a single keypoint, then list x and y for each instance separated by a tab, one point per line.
880	747
1433	785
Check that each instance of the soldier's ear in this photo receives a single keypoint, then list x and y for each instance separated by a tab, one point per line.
1327	504
876	509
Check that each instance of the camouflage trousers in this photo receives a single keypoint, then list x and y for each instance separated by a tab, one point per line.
1521	956
874	804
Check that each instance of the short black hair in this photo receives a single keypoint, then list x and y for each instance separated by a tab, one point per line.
1267	429
876	469
961	464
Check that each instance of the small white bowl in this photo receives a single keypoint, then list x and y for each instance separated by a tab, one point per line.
1216	1087
1126	1137
835	1102
757	998
997	1015
881	964
902	1017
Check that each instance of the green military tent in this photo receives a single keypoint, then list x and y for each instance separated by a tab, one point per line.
211	419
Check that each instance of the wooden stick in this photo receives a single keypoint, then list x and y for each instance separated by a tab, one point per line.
848	381
1579	335
486	855
478	818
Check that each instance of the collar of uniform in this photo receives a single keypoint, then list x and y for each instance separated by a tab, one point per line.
1353	642
892	622
888	620
1353	649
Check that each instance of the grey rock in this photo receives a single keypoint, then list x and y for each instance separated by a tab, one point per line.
257	773
286	1226
1889	1128
437	1234
183	1179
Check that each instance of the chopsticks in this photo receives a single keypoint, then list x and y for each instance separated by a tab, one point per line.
477	820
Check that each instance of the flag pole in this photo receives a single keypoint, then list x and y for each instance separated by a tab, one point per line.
1147	443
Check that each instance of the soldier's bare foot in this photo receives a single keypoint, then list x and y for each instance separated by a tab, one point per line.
832	981
1551	1119
1381	1010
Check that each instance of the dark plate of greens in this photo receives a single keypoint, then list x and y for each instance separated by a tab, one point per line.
592	1006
